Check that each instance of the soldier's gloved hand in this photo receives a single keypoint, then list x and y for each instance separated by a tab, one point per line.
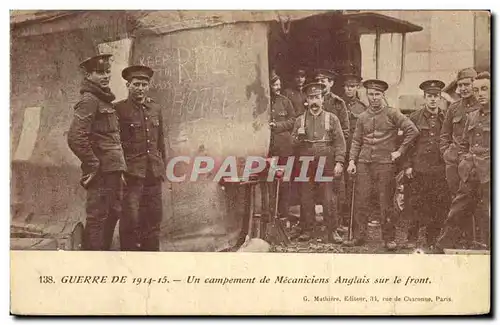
337	171
351	169
272	124
395	155
409	172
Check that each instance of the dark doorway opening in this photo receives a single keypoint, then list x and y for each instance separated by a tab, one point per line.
320	41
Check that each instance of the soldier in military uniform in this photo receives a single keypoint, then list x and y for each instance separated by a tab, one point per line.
354	108
282	120
296	93
143	141
474	171
451	136
94	137
373	157
333	103
453	127
317	133
425	169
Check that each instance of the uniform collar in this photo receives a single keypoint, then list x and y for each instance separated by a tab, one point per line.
377	111
485	109
144	104
471	100
428	114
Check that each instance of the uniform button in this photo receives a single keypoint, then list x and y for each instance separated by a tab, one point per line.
146	118
148	140
148	151
131	125
482	114
147	130
477	144
432	133
478	134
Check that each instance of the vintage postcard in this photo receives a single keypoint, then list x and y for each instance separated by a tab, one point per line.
272	162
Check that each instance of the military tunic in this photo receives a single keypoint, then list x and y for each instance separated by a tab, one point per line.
451	136
283	114
430	198
298	99
475	172
336	105
94	137
143	141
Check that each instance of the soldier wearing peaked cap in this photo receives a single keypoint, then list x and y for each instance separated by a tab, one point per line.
373	156
452	132
94	137
296	93
143	142
282	120
318	134
475	173
425	169
333	103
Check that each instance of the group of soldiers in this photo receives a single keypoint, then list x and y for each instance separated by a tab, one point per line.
121	147
442	155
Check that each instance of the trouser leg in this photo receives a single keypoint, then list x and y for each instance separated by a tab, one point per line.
307	214
151	213
460	206
103	206
129	223
361	201
385	184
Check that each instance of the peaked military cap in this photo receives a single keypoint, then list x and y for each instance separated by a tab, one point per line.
137	71
376	84
351	77
274	76
466	73
96	63
314	88
325	73
432	86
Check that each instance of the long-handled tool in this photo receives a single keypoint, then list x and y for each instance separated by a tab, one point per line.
351	219
276	233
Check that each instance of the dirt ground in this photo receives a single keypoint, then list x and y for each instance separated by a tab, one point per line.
319	243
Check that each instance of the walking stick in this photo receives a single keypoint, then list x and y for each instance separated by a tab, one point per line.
349	232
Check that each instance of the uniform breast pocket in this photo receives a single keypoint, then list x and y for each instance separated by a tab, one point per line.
155	120
106	120
457	123
131	131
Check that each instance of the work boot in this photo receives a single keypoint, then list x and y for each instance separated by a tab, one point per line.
391	245
305	236
334	237
354	242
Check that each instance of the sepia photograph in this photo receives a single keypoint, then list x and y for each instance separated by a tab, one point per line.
285	132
